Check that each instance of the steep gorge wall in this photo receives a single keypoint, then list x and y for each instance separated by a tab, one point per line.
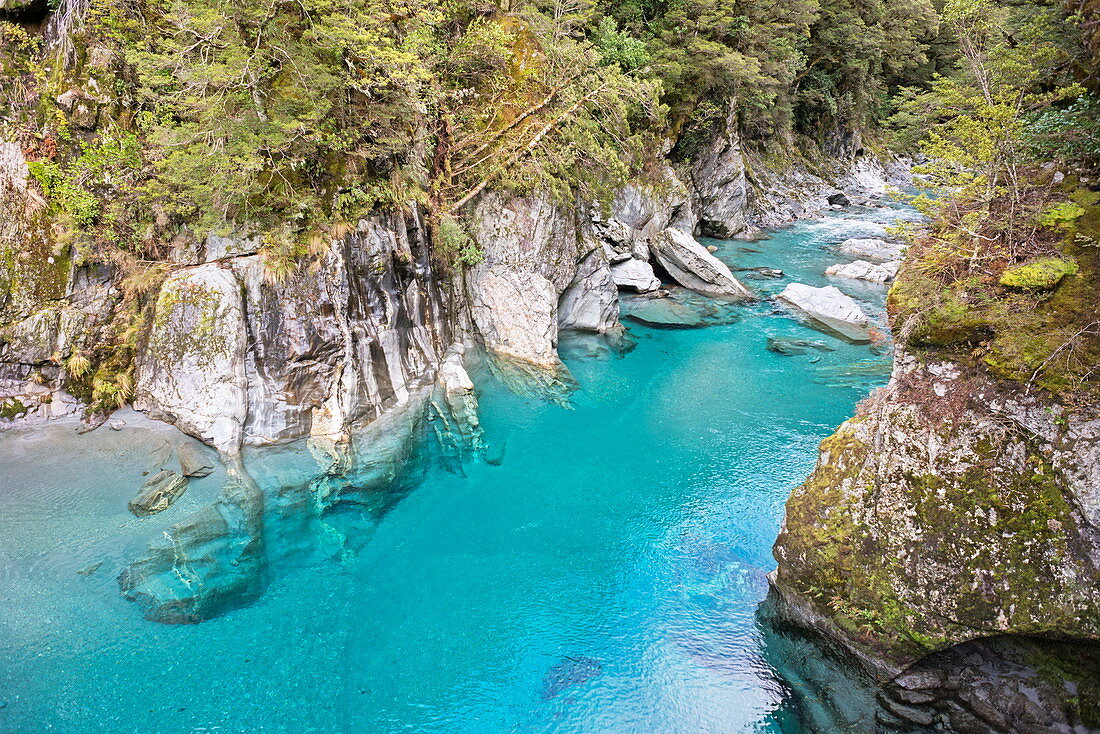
235	356
949	542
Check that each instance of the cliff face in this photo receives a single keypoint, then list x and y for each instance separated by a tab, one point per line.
235	353
949	537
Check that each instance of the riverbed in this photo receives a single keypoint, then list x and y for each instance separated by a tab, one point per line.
597	568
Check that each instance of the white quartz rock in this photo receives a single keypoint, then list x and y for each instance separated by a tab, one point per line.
863	270
871	248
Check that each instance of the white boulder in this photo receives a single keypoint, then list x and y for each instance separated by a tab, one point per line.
690	265
871	248
863	270
828	307
636	275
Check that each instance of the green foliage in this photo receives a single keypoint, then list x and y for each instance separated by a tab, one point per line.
77	187
617	47
1066	133
1040	274
457	244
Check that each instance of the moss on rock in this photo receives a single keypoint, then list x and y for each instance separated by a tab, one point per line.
914	534
1041	274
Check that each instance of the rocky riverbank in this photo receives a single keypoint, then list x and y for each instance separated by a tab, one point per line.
947	541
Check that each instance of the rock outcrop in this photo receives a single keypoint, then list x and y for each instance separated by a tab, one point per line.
192	374
591	302
721	186
692	266
233	358
948	541
532	251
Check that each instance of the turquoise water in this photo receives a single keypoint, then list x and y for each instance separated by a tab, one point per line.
600	574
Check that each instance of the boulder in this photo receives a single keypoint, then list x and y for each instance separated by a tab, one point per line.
789	346
158	493
192	461
690	265
839	199
591	302
863	270
871	248
636	275
829	307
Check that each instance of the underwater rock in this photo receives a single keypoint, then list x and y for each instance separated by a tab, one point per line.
871	248
789	346
665	313
690	265
205	565
761	272
158	493
569	672
828	307
192	461
458	427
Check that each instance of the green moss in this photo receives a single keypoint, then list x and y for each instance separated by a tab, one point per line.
941	316
12	408
921	561
1041	274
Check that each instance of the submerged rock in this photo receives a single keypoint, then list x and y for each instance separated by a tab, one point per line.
210	562
789	346
570	672
158	493
871	248
761	272
863	270
193	463
690	265
830	308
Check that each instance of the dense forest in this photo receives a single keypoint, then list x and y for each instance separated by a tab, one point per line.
148	121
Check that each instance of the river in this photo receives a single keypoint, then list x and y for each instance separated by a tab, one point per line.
600	573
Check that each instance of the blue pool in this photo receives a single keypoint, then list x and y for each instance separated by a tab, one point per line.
600	572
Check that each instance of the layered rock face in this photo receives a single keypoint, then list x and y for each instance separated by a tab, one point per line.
233	358
948	539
